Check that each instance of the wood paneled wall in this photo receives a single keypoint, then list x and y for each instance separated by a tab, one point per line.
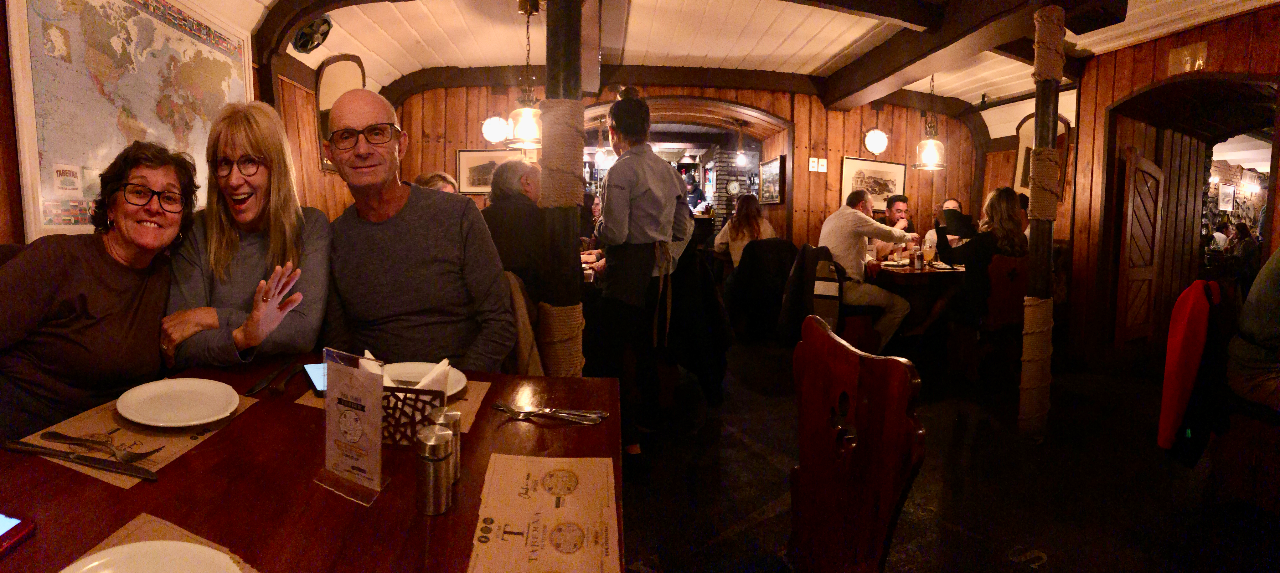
1001	167
1248	43
442	121
317	187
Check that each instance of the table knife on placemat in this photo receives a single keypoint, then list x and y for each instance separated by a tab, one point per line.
267	380
90	461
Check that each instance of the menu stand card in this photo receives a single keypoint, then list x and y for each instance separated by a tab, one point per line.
546	514
353	427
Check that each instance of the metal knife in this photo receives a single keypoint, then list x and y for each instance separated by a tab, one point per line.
272	376
90	461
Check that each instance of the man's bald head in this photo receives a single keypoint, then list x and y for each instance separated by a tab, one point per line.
371	103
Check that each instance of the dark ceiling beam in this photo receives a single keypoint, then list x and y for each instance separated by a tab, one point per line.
711	78
948	106
969	27
1024	50
913	15
1014	98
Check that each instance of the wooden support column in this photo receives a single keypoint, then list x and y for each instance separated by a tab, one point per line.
1037	333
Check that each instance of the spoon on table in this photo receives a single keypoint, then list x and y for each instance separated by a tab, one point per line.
108	446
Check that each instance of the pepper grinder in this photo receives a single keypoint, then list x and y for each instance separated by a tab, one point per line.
451	419
435	446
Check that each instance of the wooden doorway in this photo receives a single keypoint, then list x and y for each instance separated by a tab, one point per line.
1139	252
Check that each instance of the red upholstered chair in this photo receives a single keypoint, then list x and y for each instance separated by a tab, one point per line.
1008	287
861	447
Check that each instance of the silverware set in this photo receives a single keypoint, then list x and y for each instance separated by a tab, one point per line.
585	417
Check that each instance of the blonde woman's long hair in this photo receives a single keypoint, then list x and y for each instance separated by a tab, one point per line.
256	129
1000	218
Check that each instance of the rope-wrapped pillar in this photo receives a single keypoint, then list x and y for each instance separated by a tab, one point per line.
1037	333
560	316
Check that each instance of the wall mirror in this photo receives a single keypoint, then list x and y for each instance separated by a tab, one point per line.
335	76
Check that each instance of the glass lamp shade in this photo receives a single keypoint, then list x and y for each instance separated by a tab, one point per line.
604	160
741	160
495	129
876	141
930	153
526	129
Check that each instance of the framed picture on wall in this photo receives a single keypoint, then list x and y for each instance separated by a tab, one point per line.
475	168
880	179
1226	197
88	81
772	180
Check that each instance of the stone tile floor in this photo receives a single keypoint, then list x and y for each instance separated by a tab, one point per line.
1096	495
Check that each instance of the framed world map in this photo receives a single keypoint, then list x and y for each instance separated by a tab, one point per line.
92	76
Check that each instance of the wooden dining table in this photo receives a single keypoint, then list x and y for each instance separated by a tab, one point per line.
250	487
922	288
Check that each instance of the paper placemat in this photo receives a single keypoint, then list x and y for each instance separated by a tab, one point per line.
467	401
546	514
151	528
104	421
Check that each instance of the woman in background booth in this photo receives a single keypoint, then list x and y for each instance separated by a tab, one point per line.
747	224
440	181
82	324
251	246
999	233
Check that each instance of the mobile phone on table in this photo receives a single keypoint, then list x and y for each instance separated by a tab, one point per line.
13	531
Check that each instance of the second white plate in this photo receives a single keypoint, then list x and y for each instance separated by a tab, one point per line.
415	371
155	557
178	402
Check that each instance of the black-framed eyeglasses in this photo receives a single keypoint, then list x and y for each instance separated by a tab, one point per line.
247	164
376	134
140	195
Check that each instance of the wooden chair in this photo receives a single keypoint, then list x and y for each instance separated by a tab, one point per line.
861	447
816	287
1008	277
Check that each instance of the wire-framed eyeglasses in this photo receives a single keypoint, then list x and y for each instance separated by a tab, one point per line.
376	134
140	195
247	164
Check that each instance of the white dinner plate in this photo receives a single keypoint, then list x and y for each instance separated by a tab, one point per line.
178	402
416	371
156	557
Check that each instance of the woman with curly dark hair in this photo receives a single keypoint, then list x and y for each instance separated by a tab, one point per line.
999	233
83	320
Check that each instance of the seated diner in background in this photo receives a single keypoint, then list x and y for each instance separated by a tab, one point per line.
1253	365
82	324
931	238
897	214
999	233
518	226
846	233
745	225
250	247
440	181
414	274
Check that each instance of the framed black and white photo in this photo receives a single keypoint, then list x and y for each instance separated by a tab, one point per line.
880	179
475	168
772	180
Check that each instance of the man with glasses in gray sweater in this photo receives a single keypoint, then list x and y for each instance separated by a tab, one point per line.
414	273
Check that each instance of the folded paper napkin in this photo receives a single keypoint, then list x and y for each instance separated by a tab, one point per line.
150	528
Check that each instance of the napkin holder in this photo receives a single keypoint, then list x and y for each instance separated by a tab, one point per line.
406	409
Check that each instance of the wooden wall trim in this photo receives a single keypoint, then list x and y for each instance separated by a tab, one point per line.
297	72
331	60
11	223
273	35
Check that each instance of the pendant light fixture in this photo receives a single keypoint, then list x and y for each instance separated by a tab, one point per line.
523	128
930	152
741	160
875	140
604	156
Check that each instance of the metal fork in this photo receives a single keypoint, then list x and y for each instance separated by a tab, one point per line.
108	446
527	414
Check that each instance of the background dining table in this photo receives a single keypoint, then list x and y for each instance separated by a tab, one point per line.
250	487
922	288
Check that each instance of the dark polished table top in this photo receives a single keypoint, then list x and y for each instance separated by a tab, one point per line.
250	487
905	275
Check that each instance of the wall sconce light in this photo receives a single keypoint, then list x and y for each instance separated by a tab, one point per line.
875	140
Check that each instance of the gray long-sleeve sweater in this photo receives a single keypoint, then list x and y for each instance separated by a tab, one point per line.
424	285
194	286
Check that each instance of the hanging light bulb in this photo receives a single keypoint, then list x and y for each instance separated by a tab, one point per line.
930	152
526	128
741	160
523	127
875	140
687	158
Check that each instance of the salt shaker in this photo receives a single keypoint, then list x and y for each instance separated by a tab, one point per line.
453	420
435	446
